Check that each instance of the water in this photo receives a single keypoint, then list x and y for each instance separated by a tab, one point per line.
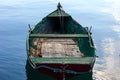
15	15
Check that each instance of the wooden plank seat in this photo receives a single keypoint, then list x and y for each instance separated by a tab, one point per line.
57	35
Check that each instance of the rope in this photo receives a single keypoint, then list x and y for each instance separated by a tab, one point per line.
61	19
57	70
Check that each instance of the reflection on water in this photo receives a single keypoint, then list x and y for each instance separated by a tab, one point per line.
108	66
33	74
103	15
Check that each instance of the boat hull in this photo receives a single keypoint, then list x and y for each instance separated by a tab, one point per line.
32	74
61	71
60	58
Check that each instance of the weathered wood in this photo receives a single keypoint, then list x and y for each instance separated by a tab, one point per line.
60	48
62	41
57	35
55	48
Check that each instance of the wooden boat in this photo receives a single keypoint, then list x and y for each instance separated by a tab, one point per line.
60	47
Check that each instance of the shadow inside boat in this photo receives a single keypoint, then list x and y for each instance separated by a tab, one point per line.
34	74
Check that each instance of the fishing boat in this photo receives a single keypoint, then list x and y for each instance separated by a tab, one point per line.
59	46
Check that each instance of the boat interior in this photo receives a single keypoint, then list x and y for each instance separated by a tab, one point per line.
60	47
55	48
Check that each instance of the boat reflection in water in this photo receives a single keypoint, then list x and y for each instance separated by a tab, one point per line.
34	74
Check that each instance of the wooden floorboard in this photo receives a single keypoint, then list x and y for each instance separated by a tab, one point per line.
60	48
56	48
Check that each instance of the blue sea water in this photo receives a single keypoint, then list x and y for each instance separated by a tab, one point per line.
102	15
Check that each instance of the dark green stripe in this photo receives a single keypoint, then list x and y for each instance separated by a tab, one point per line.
57	35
